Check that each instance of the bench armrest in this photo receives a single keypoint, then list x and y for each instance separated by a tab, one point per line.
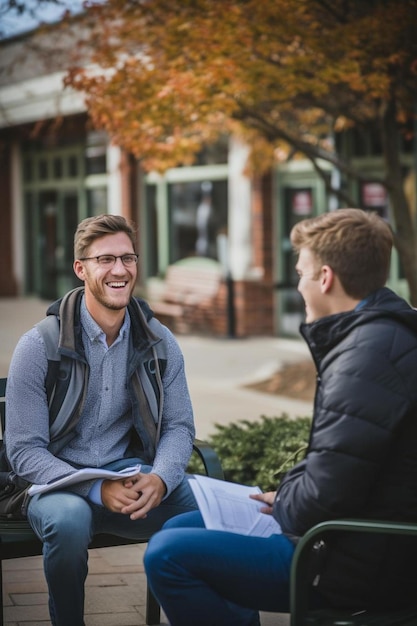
299	578
209	458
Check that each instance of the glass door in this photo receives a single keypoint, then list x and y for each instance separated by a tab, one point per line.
298	205
58	219
301	194
56	198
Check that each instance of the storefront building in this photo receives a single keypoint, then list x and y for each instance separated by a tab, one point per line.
56	170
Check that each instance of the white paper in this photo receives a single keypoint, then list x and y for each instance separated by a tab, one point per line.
87	473
227	506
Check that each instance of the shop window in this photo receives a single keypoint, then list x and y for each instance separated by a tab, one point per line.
374	197
43	169
29	239
27	170
70	222
152	251
198	214
96	161
57	167
97	201
72	166
298	205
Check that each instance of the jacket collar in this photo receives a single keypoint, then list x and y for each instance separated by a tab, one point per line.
67	309
325	333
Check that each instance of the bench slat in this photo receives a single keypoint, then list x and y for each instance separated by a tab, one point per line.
186	287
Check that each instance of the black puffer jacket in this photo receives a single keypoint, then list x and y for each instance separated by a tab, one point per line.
362	455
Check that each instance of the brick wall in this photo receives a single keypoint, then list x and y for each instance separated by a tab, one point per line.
242	309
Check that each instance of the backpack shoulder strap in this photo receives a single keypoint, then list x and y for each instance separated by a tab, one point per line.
59	367
49	330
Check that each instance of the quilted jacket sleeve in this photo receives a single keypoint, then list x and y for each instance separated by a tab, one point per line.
364	396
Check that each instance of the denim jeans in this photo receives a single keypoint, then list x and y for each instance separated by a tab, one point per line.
216	578
66	522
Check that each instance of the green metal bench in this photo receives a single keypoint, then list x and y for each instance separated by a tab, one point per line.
17	538
301	615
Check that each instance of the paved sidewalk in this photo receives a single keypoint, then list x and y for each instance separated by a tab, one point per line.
217	370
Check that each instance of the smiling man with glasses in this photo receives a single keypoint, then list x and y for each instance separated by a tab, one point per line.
127	403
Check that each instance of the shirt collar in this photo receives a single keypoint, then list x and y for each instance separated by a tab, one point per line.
95	332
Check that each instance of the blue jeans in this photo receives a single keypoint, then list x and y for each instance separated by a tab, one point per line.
215	578
66	523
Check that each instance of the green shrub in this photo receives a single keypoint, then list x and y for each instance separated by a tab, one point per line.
259	452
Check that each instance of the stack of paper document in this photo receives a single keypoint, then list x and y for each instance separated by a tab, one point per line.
87	473
227	506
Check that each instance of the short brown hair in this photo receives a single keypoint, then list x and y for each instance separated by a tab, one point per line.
93	228
356	244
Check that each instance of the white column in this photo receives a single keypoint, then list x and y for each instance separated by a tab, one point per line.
239	218
114	180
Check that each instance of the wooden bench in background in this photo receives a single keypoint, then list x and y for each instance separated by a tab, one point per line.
17	538
189	284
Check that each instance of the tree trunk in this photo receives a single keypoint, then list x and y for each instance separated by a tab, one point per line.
405	228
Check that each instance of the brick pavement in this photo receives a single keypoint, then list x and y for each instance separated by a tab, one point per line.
115	591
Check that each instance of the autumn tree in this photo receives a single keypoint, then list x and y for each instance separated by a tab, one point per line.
166	77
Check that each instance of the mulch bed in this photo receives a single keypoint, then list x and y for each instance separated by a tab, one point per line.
295	380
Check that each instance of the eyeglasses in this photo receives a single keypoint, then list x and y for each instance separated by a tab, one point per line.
109	260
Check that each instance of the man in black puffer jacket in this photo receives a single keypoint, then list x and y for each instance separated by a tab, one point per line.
361	459
362	455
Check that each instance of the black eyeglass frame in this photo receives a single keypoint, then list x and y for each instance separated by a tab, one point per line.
112	256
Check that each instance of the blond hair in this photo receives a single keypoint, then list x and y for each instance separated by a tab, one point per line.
356	244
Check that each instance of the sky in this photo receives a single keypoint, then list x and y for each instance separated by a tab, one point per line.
36	11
